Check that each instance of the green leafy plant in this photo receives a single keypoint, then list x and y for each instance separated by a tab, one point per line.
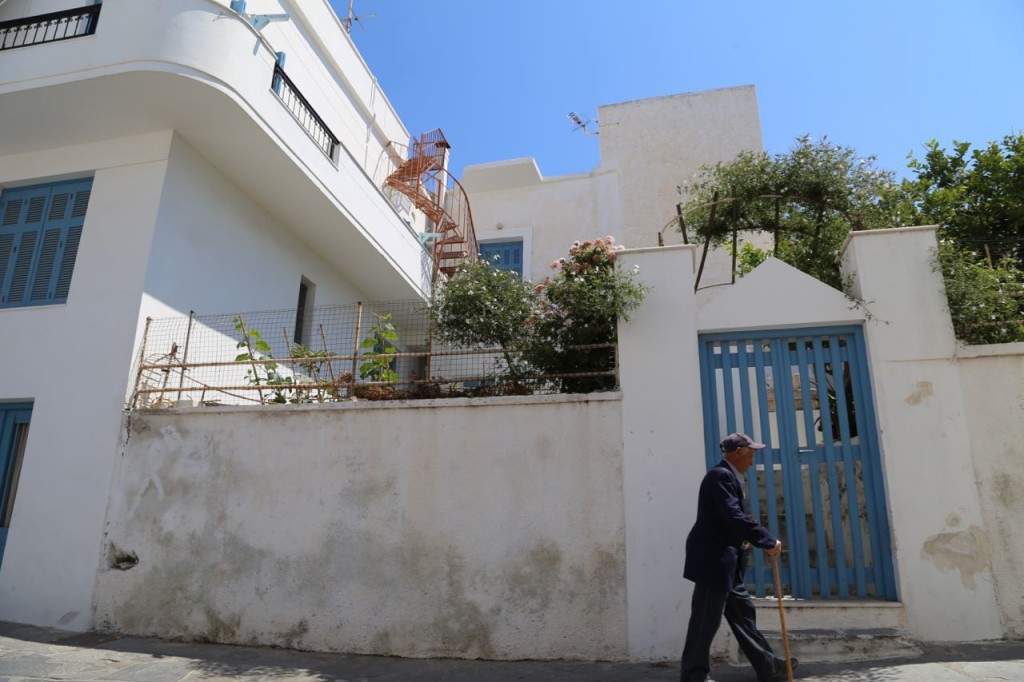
580	306
312	363
483	306
379	342
261	372
748	257
985	303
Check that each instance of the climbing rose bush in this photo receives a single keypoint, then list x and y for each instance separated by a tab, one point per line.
579	305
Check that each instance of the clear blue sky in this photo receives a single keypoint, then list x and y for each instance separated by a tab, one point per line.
499	77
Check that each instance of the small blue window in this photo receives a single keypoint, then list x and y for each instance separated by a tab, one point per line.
40	228
509	253
14	420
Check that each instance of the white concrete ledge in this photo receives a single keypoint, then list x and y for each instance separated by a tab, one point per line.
395	404
989	350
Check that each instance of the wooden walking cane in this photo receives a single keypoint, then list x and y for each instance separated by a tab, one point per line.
782	619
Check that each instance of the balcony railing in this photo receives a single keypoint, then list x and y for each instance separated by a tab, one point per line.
303	112
49	28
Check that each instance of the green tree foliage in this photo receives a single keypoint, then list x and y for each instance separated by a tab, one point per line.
977	200
808	198
482	306
977	197
984	302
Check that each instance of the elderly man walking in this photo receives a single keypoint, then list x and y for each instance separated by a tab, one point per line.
716	560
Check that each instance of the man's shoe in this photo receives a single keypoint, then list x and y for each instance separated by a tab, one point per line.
780	674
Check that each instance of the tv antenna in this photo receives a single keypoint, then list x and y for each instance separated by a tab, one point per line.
353	18
581	123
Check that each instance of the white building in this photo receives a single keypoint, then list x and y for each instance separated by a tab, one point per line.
648	147
155	158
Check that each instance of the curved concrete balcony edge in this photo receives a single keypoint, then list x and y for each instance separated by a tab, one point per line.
165	82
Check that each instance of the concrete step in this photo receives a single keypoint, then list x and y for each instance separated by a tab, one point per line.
845	645
834	631
802	614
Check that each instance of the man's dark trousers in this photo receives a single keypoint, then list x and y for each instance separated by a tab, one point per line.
706	610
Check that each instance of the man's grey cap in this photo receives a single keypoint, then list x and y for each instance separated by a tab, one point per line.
740	440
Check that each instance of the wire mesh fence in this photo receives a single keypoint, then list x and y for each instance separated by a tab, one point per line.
370	351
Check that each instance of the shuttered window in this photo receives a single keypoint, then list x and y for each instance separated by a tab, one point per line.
509	255
40	229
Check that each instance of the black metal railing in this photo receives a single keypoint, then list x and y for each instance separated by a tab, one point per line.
303	112
49	28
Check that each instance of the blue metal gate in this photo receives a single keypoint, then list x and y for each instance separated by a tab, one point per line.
806	393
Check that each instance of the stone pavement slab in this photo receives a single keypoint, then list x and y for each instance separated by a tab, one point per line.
30	654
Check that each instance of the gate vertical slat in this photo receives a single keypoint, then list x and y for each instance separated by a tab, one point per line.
814	462
766	436
852	497
707	370
753	485
878	522
727	384
792	487
824	411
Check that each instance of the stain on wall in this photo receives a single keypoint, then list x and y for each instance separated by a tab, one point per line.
964	551
994	396
922	391
390	531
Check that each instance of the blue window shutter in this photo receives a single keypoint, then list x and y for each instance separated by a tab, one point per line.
25	251
41	289
6	256
23	211
67	264
510	255
40	229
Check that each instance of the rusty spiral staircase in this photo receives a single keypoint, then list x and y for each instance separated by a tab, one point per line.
422	176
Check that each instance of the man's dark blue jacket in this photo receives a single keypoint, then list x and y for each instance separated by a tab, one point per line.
714	557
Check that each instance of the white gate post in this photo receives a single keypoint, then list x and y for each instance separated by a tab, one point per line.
943	572
663	451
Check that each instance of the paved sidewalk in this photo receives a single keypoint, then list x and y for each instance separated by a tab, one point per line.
30	653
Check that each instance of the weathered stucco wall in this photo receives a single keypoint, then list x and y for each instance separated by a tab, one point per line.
487	528
941	551
993	385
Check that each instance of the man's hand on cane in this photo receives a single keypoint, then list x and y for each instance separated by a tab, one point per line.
776	550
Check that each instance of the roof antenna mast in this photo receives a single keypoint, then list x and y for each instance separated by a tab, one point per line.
353	18
581	123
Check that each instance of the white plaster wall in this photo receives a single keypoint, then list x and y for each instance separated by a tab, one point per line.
993	386
775	295
73	362
648	148
663	447
438	528
942	550
549	214
17	9
216	250
656	144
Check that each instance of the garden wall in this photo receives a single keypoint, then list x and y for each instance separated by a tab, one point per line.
993	385
474	528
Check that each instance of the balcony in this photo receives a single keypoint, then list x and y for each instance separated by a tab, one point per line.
49	28
304	113
201	70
